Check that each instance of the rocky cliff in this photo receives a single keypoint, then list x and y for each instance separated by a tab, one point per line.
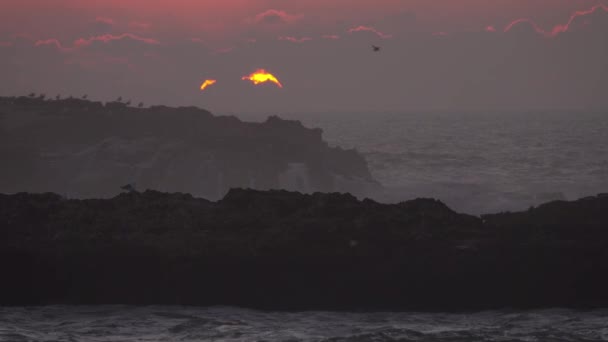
285	250
85	149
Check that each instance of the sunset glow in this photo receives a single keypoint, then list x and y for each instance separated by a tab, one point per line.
207	83
320	53
559	28
262	76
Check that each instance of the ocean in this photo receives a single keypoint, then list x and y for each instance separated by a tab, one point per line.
189	324
475	162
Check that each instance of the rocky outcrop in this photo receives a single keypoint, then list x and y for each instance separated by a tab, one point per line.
85	149
284	250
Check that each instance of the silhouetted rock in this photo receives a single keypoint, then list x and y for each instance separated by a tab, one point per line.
285	250
88	149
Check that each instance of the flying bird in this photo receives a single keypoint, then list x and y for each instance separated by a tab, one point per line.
376	48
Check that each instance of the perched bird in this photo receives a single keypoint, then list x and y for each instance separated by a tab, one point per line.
129	187
375	48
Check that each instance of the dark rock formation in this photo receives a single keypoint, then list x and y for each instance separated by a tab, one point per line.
83	149
285	250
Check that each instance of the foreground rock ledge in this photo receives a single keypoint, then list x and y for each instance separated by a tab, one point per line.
282	250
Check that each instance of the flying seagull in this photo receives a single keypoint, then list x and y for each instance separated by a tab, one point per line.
375	48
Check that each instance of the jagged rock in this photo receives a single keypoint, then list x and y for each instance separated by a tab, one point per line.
286	250
86	149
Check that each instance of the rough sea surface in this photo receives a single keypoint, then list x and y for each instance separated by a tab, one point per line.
475	162
156	323
478	163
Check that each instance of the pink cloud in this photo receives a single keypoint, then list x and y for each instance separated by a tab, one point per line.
557	29
518	22
52	42
273	16
107	38
294	39
362	28
560	28
331	36
83	43
490	29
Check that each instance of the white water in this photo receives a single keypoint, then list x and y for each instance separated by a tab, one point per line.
475	162
155	324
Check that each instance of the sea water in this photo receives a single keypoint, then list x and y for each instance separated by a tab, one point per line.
156	323
476	162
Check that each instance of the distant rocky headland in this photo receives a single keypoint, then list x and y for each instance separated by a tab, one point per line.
86	149
286	250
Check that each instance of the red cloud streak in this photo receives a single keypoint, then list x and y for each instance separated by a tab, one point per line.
82	42
331	36
53	42
361	28
557	29
294	39
273	16
106	38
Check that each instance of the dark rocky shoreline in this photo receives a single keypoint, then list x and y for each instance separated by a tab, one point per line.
86	149
285	250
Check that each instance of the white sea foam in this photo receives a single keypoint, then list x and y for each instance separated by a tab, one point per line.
155	323
475	162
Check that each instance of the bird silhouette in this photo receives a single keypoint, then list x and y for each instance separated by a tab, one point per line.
129	187
376	48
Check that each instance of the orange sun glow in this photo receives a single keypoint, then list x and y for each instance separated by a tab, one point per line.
262	76
207	83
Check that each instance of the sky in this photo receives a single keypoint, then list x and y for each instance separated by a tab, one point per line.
443	55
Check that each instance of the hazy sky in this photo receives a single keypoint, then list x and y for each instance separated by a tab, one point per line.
436	54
